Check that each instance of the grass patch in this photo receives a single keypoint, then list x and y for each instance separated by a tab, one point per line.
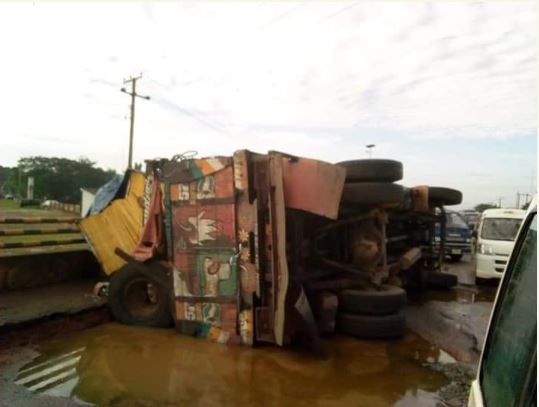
9	204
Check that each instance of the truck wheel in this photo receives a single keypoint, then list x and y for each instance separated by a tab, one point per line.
136	299
444	196
388	300
372	170
370	326
372	193
441	280
456	257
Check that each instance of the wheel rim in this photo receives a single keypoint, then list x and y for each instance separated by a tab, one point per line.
142	297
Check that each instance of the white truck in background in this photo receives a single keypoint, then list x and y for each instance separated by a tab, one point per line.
496	235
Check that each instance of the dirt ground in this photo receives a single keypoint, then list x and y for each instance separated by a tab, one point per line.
35	303
456	319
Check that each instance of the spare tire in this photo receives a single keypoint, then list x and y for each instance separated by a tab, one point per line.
137	299
372	326
372	193
388	300
444	196
372	170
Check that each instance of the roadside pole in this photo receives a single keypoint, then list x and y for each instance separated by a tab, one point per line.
133	94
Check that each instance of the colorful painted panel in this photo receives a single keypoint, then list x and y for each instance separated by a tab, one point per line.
204	253
200	226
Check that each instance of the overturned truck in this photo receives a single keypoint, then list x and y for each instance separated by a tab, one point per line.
268	248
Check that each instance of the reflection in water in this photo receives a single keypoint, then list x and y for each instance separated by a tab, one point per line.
462	294
116	364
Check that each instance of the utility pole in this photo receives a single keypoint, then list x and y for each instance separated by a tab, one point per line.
499	202
527	199
133	94
369	149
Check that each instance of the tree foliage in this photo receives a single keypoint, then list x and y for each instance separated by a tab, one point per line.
4	175
481	207
57	178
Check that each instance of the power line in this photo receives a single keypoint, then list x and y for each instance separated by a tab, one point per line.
133	94
196	115
336	13
280	17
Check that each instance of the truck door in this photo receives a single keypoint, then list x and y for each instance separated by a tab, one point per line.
201	240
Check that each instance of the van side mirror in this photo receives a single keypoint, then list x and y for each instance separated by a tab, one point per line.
474	233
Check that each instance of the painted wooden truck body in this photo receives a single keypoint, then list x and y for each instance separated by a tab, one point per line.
231	235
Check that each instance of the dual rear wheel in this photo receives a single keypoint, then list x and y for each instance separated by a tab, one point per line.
372	313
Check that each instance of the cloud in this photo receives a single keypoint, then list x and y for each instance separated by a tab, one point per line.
321	79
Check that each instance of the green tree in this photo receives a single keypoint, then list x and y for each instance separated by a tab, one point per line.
5	172
481	207
57	178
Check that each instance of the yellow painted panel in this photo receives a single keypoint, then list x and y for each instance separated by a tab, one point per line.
119	225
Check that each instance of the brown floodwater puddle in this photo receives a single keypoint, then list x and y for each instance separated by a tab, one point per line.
462	294
114	364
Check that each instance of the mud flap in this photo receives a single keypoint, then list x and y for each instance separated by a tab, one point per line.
304	326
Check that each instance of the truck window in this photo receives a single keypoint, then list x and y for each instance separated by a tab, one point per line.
509	359
455	220
500	229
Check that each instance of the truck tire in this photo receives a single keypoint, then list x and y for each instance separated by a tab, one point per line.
372	326
372	193
444	196
372	170
456	257
136	299
441	280
388	300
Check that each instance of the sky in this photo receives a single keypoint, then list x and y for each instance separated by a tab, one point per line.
448	88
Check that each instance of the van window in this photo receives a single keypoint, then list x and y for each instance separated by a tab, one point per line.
510	352
500	228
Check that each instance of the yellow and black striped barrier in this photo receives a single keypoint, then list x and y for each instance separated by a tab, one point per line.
29	219
22	234
39	231
76	238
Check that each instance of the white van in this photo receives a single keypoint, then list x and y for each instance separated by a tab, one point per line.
507	374
496	235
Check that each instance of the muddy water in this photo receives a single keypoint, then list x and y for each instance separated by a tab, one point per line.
462	294
120	365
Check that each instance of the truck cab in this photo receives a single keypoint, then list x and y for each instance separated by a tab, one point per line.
214	246
458	236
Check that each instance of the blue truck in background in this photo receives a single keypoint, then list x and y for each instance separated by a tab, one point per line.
458	236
